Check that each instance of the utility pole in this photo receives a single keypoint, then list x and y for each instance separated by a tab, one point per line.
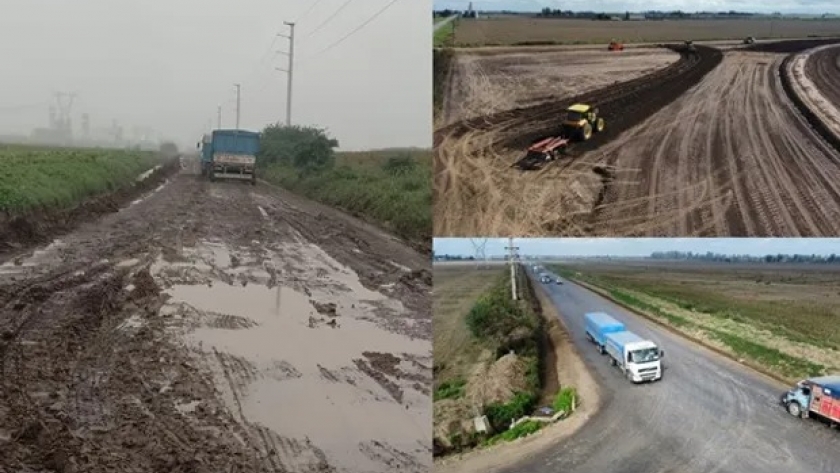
512	256
290	70
238	102
219	118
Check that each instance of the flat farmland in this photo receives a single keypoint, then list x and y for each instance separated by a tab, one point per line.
513	31
485	82
782	317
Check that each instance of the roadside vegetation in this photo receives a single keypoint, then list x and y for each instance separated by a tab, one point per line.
779	317
391	187
34	179
444	35
489	352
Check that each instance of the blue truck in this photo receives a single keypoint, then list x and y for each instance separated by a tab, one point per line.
230	154
598	325
638	359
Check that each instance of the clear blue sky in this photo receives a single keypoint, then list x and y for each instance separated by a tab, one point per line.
641	246
769	6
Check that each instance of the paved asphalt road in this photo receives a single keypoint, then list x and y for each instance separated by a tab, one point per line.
708	414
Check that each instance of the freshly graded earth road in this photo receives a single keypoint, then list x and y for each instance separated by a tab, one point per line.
217	327
708	414
711	145
731	157
823	69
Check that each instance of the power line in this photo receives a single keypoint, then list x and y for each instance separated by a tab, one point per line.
308	11
329	18
342	39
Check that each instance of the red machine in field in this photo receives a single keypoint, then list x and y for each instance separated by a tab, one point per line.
543	152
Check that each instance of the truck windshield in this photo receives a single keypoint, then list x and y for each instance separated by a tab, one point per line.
644	356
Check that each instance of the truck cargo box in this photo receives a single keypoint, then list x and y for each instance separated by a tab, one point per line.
598	325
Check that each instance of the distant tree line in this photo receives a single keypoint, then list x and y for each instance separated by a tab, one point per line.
723	258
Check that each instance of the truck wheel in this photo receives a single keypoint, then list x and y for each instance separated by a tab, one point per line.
601	349
629	375
212	176
794	409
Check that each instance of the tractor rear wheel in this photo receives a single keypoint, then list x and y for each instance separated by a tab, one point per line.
586	132
599	125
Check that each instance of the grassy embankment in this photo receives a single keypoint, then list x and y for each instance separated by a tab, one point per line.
389	187
34	179
488	353
781	319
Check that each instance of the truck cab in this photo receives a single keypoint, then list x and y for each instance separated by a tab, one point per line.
639	359
816	396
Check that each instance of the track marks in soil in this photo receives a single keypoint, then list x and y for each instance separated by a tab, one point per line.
734	135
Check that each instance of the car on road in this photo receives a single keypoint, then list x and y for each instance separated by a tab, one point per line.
545	279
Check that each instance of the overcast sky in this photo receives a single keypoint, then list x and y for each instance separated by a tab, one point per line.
767	6
168	65
640	246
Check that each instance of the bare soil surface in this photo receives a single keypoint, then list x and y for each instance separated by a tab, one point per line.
477	192
217	327
686	152
731	157
817	72
520	30
482	84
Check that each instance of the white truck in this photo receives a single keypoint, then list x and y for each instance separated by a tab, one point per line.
639	359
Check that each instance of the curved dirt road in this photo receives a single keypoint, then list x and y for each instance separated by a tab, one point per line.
708	414
217	327
823	70
731	157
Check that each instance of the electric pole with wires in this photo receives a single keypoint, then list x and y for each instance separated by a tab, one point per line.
513	258
290	71
238	102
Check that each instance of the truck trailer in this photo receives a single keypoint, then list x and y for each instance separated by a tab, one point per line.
819	397
598	325
639	359
230	154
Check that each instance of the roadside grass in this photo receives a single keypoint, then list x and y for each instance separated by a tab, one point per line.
34	178
389	187
444	35
564	400
477	329
456	351
775	318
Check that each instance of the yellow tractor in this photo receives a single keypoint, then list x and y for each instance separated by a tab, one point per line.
581	121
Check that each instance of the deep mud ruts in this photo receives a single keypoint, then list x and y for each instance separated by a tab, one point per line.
172	336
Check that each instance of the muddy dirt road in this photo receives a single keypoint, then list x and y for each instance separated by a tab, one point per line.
488	82
708	414
730	157
217	327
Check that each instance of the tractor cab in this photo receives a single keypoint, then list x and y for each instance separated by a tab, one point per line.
581	121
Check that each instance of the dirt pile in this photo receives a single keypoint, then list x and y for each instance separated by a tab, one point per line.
498	382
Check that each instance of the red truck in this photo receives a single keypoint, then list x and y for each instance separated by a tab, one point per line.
815	397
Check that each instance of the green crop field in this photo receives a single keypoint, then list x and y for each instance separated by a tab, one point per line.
39	177
390	187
